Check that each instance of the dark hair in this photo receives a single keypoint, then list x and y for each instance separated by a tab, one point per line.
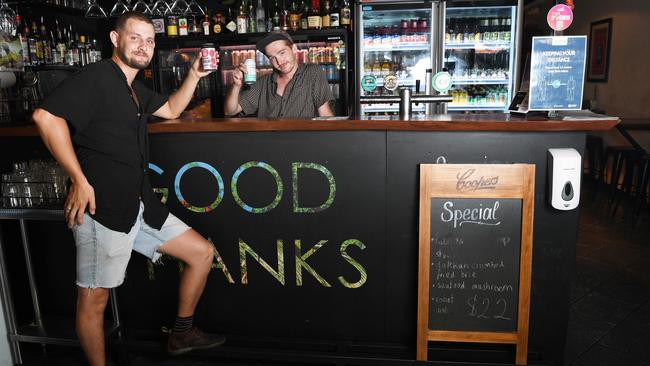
122	19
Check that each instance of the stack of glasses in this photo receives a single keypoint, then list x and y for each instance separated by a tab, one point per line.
36	183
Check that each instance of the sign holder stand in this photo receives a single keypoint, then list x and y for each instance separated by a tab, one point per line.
440	181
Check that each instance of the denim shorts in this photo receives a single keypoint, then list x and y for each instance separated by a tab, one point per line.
103	254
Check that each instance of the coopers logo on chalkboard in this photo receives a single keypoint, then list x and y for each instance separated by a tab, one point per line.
471	215
467	183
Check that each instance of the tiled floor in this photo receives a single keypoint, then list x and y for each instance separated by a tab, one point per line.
609	321
610	301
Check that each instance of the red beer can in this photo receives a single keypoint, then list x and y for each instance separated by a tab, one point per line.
209	56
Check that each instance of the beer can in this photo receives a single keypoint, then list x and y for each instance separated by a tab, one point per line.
251	73
209	56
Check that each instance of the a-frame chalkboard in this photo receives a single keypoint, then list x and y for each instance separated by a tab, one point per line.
475	254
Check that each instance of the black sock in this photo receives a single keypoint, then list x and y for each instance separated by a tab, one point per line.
183	324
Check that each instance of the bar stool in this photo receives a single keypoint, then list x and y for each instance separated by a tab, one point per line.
36	331
643	179
594	153
633	162
618	154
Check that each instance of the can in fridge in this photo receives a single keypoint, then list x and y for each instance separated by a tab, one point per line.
251	73
209	56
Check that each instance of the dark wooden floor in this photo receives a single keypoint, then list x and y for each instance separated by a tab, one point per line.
610	301
609	321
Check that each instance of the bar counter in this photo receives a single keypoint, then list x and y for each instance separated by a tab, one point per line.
316	227
448	122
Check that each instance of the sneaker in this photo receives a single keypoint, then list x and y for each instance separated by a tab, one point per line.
179	343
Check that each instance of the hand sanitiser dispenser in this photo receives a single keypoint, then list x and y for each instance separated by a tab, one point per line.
564	173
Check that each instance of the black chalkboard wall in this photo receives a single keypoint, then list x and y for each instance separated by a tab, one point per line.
474	275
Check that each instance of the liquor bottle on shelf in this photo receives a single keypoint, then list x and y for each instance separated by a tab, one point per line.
325	17
275	16
218	26
56	59
313	18
252	22
22	37
231	22
345	20
335	15
71	54
61	45
35	45
304	21
81	50
294	16
182	25
205	25
95	53
47	43
260	16
172	26
158	19
242	21
284	16
194	25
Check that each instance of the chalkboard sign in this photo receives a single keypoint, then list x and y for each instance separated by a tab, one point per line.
475	254
474	274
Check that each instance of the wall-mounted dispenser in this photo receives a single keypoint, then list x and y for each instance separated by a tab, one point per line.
564	174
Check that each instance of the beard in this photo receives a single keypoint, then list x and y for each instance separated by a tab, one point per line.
132	62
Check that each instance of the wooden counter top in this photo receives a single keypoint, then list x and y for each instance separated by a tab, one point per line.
446	122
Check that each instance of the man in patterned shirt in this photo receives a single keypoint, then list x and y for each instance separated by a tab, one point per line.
292	91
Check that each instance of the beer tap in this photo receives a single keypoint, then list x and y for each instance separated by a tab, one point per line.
405	99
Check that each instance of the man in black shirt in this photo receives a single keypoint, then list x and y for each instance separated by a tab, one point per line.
111	206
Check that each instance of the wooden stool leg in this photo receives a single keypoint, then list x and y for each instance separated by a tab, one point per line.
641	189
616	172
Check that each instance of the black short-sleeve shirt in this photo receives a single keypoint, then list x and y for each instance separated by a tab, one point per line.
305	93
109	133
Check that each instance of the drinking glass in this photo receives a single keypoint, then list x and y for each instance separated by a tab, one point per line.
118	9
142	7
160	8
195	9
179	7
95	11
7	20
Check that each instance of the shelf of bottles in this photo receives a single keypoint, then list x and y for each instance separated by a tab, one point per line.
394	42
250	16
330	55
479	53
49	43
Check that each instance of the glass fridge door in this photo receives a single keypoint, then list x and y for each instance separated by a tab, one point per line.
328	52
395	40
479	53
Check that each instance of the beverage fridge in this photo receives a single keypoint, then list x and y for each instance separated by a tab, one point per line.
476	44
327	48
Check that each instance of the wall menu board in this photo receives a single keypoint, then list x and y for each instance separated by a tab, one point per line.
475	254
